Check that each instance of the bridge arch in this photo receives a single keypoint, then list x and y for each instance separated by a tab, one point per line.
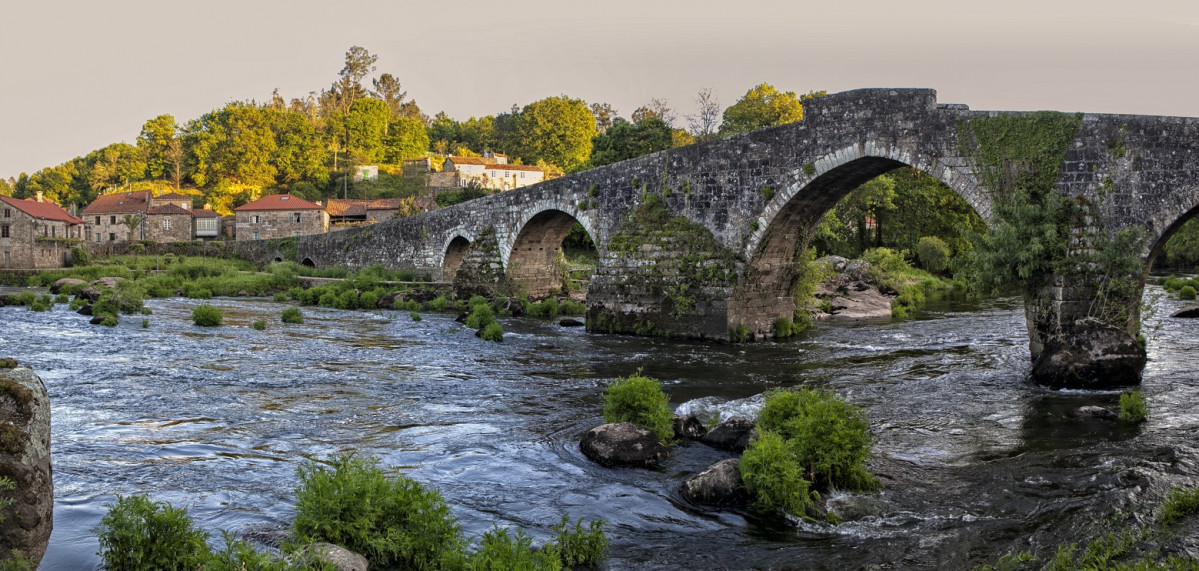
454	252
765	291
531	254
1169	220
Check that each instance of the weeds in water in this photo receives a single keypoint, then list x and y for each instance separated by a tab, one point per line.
1179	504
578	546
1132	407
772	476
414	316
292	315
829	437
493	332
639	399
206	315
137	533
259	325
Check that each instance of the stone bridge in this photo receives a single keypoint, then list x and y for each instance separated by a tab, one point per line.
703	241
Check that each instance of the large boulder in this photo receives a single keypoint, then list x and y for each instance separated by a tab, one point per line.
719	485
91	293
623	444
107	282
25	461
859	300
340	558
58	286
1090	354
733	434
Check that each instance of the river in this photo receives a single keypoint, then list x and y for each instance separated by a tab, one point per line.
976	462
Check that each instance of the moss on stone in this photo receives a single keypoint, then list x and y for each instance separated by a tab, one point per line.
12	439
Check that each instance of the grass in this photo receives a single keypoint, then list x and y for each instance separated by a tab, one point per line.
206	315
1132	407
639	399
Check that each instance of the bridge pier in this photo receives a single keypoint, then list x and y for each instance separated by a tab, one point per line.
1072	348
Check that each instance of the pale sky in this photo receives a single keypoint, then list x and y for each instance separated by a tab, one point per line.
76	76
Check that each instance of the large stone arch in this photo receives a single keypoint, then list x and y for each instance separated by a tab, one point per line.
1182	208
764	292
531	253
453	252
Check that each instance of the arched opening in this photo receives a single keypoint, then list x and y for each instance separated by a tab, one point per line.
538	265
778	267
278	259
308	262
454	254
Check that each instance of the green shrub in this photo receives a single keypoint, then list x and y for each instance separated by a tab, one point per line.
772	476
1179	504
639	399
109	321
1132	407
480	317
260	325
784	328
933	254
579	547
438	303
569	307
77	303
390	519
500	551
829	437
547	308
293	315
145	323
139	534
414	316
347	300
368	300
1187	292
280	297
206	315
62	298
79	256
493	332
328	299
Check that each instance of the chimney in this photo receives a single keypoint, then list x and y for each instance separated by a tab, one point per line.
39	196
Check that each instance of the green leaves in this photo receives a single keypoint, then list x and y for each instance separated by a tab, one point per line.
639	399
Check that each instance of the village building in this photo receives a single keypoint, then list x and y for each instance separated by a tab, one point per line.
164	218
36	233
168	223
490	171
279	216
207	224
356	212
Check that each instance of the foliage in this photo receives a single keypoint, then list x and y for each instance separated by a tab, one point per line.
414	316
625	140
547	308
772	476
764	106
389	518
577	546
1187	292
500	551
259	325
137	534
557	130
639	399
493	332
1179	504
1132	407
933	254
829	438
206	315
1182	249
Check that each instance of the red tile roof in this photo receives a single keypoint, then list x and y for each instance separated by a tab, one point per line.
120	203
170	209
173	196
471	160
513	168
345	208
45	210
205	213
278	202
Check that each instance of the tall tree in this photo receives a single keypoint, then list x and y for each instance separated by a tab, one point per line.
557	130
348	88
706	119
300	152
764	106
406	139
655	108
365	128
388	88
6	186
155	142
235	145
604	116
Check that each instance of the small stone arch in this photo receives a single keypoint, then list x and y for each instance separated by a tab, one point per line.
531	260
308	262
455	253
1168	221
278	259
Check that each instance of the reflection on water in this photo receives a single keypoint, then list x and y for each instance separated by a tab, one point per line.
975	461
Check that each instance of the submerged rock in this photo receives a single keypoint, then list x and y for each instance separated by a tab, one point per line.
85	310
1090	354
25	460
1097	412
719	485
623	444
733	434
570	322
859	300
687	427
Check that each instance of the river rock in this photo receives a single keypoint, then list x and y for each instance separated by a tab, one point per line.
571	322
1097	412
25	460
340	558
85	310
719	485
1090	354
687	427
623	444
859	300
91	293
857	270
97	319
835	263
107	282
58	286
733	434
1187	312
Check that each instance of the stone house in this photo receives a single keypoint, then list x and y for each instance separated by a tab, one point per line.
36	233
279	216
169	223
356	212
105	217
492	171
207	224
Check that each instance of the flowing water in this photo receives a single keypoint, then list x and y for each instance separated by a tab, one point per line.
975	461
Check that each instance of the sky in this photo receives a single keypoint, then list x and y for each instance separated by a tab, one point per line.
77	76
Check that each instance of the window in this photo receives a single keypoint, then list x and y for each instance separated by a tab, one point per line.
255	219
112	219
256	236
97	221
8	213
52	230
99	237
295	217
112	236
166	223
4	231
